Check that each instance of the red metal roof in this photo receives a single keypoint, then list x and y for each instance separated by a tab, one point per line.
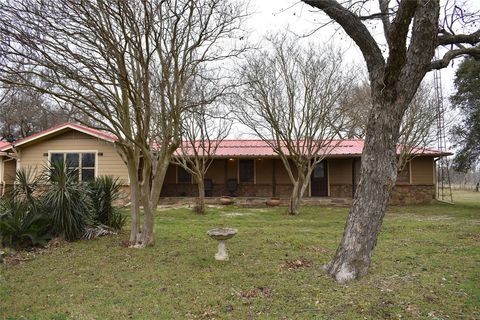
260	148
226	149
4	144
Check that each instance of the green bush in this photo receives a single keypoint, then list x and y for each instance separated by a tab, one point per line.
67	202
23	222
21	228
104	191
55	203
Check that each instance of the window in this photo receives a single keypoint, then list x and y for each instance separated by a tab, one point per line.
246	170
319	170
183	176
82	162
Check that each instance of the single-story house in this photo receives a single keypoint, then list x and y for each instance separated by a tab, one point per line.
243	168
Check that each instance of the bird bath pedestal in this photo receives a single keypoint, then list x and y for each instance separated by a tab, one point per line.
222	235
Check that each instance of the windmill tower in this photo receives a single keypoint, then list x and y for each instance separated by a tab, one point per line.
444	188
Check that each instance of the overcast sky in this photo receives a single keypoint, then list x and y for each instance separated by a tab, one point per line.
300	19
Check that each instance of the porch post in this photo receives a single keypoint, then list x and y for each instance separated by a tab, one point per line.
225	176
353	177
274	181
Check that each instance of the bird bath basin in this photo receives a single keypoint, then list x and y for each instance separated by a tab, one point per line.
221	235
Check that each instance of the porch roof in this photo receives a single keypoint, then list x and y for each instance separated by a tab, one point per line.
337	148
226	148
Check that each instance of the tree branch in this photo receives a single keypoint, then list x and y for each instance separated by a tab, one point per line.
452	54
447	38
397	40
354	27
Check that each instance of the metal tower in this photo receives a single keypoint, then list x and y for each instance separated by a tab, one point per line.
444	188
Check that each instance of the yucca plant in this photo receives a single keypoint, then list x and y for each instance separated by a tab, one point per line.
97	231
23	221
20	227
67	201
104	191
26	189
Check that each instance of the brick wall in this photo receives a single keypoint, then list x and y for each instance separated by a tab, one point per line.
341	190
243	190
402	194
412	194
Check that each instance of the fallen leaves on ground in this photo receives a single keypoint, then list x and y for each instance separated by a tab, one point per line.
296	264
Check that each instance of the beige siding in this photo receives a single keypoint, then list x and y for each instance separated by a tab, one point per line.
340	171
171	175
422	171
9	171
232	169
281	174
263	170
403	177
110	163
216	171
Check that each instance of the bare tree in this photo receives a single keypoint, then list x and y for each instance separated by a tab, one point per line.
355	106
204	129
127	65
418	128
290	99
25	111
412	29
417	131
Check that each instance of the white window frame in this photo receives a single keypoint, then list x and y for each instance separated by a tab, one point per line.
95	175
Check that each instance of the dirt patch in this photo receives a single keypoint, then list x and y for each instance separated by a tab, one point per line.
296	264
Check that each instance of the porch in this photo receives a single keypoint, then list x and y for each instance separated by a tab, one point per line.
256	202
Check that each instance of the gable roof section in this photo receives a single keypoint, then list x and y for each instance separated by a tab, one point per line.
77	127
4	144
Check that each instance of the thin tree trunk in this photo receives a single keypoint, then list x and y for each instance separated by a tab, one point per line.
299	187
200	207
134	202
295	199
378	177
151	189
148	238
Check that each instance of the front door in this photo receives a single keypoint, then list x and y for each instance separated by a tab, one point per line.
319	180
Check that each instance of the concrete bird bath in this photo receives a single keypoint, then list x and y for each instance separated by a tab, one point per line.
222	235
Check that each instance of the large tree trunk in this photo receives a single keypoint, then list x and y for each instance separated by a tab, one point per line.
378	177
151	194
412	36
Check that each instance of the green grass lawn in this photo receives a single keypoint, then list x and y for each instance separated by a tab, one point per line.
426	265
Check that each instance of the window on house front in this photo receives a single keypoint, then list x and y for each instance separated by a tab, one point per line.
83	163
183	176
246	170
319	170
